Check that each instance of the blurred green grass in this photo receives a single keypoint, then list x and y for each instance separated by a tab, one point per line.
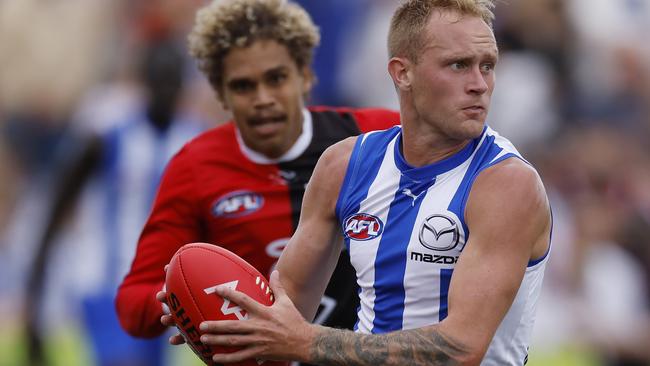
66	347
565	356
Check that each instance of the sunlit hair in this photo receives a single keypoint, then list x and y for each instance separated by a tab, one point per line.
225	24
405	37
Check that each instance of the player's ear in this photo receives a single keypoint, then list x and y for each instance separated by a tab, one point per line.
399	68
222	99
308	79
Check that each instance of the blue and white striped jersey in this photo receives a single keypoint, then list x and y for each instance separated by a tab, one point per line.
116	203
404	228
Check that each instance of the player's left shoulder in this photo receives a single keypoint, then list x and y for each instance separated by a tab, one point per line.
514	170
512	185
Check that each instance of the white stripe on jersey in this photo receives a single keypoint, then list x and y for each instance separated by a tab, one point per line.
366	271
422	292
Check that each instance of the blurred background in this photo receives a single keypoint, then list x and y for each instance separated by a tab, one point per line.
84	84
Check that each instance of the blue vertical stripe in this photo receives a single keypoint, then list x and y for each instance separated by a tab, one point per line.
445	280
390	263
112	158
158	167
485	153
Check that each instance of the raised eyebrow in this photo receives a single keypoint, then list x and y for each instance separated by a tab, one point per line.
492	57
470	59
457	58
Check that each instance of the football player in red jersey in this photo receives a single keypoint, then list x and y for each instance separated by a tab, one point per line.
240	185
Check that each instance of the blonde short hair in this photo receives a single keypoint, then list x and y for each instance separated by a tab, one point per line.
227	24
405	35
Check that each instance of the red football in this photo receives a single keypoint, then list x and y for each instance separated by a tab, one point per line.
192	277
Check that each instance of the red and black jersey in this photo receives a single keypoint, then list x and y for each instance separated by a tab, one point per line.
212	192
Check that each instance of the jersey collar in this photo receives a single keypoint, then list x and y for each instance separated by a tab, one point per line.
439	167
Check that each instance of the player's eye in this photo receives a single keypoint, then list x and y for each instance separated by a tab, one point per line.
276	78
458	65
487	67
241	86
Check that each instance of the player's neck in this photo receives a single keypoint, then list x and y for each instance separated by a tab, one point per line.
420	148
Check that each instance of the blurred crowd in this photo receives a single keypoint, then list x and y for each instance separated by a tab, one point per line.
77	76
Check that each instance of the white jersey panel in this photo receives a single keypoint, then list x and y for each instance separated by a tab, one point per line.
423	286
510	343
381	189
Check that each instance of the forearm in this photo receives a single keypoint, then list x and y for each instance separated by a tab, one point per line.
412	347
305	270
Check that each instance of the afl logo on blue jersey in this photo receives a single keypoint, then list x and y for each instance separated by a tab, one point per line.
362	226
237	204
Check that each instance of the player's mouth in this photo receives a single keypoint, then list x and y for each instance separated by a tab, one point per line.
267	125
474	110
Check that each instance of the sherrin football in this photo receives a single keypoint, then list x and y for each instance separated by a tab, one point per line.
194	273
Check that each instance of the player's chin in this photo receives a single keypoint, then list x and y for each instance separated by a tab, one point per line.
471	128
271	146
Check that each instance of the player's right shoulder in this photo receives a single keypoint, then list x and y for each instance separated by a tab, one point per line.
337	155
326	181
331	169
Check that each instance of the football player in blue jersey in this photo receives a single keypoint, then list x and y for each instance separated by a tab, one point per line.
448	227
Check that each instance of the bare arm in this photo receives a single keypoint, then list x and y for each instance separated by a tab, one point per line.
310	257
509	220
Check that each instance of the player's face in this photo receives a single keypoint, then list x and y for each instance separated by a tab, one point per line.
454	78
264	89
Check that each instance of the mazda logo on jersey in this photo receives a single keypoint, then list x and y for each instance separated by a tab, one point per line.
362	226
237	204
439	232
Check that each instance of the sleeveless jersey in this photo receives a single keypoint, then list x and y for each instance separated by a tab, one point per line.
216	190
405	229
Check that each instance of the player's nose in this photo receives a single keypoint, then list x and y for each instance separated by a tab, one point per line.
477	81
264	97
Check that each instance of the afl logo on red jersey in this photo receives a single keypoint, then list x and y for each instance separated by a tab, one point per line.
237	204
362	226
